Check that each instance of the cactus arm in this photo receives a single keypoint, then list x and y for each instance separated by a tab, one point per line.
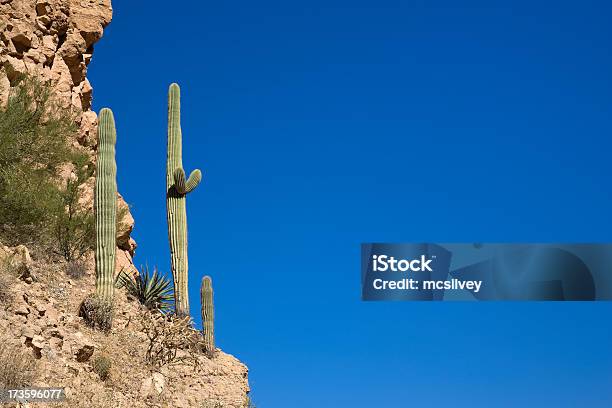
105	205
185	187
192	182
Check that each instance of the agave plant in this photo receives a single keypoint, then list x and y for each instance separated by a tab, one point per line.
153	290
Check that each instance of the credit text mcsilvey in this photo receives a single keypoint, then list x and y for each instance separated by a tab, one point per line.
385	263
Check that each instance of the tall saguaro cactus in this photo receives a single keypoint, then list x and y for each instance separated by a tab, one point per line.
208	313
106	205
176	190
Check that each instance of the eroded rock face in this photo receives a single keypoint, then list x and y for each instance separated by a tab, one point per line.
53	39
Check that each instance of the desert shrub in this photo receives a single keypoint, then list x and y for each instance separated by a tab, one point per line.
153	290
76	269
171	339
97	312
17	368
33	145
74	224
102	366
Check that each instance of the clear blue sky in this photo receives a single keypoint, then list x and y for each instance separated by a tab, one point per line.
319	125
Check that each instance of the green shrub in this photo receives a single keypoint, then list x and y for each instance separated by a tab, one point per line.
74	226
153	290
102	366
34	131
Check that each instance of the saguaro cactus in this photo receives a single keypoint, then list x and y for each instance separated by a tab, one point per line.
176	190
208	313
105	206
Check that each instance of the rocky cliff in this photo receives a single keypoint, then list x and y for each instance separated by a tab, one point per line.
39	301
54	40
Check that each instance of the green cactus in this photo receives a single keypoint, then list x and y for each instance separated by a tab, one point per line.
106	206
208	313
176	190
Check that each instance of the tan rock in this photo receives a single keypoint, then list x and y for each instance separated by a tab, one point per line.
125	263
88	131
52	316
49	46
159	382
85	93
62	79
22	309
82	348
38	341
125	226
5	86
22	40
14	68
43	7
28	331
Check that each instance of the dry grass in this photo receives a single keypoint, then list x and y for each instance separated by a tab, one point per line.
17	368
171	339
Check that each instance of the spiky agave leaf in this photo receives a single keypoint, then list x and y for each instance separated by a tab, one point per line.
153	290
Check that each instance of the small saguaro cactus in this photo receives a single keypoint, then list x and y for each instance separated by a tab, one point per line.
177	187
208	313
105	206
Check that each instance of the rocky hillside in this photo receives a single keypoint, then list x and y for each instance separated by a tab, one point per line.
41	333
39	320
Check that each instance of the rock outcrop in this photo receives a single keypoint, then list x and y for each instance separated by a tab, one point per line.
54	40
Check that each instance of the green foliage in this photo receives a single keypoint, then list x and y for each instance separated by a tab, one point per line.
33	144
176	189
74	223
153	290
97	312
102	366
105	205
